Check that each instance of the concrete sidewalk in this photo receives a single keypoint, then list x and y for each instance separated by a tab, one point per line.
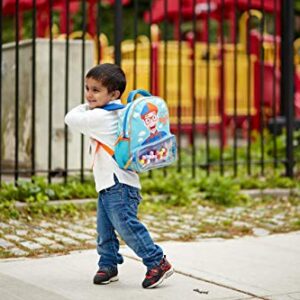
247	268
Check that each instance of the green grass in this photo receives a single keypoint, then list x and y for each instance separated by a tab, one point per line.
166	188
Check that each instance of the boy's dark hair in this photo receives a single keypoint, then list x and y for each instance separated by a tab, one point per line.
110	75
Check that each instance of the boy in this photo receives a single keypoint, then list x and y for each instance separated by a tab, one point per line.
119	190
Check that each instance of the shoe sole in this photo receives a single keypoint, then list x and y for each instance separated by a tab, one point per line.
108	281
160	281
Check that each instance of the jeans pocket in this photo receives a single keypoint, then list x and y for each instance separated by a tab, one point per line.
134	196
116	188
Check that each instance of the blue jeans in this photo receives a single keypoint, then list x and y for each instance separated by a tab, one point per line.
117	210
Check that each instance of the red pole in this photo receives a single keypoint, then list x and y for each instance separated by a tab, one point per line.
232	24
154	87
42	21
63	18
154	49
205	29
92	18
20	15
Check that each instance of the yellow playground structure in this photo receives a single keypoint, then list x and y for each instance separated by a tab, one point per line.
175	71
214	83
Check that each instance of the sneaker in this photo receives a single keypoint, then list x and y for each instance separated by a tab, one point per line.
156	275
106	275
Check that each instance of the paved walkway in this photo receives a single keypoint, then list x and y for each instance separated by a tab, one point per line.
246	268
31	237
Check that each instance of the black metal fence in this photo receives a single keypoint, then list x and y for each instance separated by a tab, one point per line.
229	71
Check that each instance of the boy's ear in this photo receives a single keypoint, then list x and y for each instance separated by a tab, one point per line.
116	94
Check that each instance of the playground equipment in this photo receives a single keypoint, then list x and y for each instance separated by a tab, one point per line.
226	90
43	11
166	68
248	61
205	10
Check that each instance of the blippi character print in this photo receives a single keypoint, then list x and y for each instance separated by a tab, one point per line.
150	118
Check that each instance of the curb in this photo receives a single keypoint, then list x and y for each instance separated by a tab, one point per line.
251	193
271	192
77	202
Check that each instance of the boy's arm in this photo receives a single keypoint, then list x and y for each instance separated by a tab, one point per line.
77	118
93	123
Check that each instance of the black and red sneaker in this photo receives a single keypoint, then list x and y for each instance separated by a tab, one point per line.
106	275
156	275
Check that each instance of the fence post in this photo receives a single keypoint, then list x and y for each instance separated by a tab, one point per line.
118	31
287	77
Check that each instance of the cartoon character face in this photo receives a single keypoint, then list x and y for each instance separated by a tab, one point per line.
150	120
150	117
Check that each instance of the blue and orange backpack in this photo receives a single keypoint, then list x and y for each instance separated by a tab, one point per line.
144	140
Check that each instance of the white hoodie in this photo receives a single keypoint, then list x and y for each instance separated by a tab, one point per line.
101	125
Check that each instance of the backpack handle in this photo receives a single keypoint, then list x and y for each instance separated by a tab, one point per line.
133	93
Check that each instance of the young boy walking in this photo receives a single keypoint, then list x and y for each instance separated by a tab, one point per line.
119	190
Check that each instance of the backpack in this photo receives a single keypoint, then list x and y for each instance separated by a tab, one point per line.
144	140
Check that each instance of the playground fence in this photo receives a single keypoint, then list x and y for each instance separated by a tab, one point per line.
231	90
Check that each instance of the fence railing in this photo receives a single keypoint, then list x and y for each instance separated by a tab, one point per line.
229	71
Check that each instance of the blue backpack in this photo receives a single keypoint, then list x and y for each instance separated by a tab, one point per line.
144	140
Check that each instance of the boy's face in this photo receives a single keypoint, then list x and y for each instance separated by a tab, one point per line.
96	94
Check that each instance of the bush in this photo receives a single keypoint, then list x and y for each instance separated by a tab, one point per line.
222	191
177	190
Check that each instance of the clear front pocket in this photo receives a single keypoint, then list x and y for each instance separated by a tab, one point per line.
155	155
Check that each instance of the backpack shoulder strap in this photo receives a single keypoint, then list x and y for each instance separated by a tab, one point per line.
108	107
112	106
105	147
133	93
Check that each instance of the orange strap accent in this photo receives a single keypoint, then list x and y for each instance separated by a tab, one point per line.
120	138
105	147
128	163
